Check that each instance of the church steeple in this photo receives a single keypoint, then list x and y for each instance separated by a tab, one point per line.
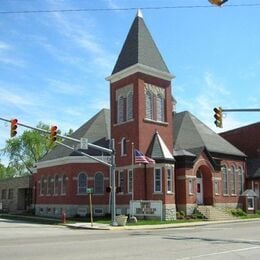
140	88
140	49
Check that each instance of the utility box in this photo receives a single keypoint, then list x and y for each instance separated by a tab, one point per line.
249	201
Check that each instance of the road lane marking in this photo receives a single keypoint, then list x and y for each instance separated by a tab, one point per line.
220	253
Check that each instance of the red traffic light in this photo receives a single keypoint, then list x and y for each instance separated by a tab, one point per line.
13	131
53	133
218	2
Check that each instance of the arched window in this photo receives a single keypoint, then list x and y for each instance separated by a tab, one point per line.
82	183
120	109
149	105
49	185
123	146
129	107
56	185
63	185
240	180
233	180
225	179
160	108
42	186
99	183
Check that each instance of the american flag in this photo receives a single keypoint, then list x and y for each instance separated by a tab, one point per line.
141	158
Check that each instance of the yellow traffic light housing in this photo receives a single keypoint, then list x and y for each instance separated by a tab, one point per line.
218	117
218	2
53	133
13	131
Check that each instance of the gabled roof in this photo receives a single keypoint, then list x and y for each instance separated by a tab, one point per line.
159	151
96	130
192	135
139	48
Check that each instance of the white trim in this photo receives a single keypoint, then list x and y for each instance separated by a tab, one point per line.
70	159
139	68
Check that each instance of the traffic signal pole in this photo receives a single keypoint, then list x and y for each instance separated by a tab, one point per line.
242	110
110	151
219	113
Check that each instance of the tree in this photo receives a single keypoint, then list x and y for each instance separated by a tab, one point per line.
6	172
25	150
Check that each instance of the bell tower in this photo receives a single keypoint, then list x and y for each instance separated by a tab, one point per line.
141	108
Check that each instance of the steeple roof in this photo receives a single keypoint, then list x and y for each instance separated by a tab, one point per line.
139	48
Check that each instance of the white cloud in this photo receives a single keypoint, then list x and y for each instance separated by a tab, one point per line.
13	97
66	87
4	46
9	58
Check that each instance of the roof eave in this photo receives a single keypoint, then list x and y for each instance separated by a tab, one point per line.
139	68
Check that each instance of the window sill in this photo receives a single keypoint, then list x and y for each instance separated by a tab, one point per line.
124	122
158	193
155	122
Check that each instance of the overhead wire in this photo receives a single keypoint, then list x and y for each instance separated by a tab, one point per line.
126	8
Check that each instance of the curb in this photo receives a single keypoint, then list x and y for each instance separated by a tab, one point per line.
97	226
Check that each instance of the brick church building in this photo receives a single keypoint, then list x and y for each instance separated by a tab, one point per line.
192	165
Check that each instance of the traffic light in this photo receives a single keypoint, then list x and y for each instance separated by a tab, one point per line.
53	133
218	117
13	131
218	2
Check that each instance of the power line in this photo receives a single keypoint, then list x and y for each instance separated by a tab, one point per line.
125	8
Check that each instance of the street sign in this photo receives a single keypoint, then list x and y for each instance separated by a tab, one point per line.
83	143
89	190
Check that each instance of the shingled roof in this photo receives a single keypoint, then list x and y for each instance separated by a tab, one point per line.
139	48
96	130
192	135
159	151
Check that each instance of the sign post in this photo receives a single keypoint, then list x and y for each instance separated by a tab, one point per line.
90	191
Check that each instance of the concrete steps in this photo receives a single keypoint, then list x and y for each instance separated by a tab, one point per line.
213	213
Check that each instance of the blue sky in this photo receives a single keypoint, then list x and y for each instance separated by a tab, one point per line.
53	65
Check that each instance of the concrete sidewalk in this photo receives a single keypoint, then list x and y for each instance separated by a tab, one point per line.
99	226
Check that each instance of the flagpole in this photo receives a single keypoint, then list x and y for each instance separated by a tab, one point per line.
132	179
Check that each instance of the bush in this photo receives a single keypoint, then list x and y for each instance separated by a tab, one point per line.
238	212
197	215
180	215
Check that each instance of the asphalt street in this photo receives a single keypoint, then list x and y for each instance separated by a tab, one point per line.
20	240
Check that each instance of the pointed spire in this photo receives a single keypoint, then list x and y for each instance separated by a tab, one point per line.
139	13
140	48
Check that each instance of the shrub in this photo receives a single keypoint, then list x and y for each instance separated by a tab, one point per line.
238	212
